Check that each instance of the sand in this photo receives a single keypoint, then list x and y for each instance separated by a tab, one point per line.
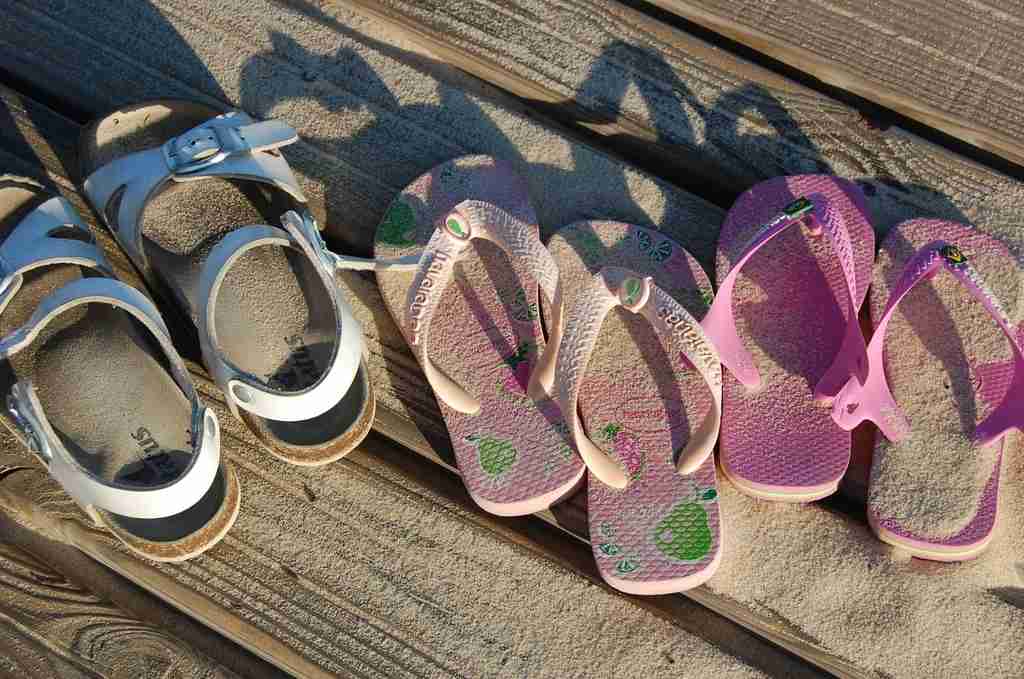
374	116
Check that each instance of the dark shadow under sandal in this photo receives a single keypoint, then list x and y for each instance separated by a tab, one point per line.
188	192
95	389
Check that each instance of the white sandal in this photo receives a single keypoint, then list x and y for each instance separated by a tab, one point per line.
174	181
97	392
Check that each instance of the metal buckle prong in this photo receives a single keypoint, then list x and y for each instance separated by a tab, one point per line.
202	147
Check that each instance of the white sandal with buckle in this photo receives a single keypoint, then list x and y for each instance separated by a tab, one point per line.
97	392
176	183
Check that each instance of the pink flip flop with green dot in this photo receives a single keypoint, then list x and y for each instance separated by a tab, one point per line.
470	314
640	386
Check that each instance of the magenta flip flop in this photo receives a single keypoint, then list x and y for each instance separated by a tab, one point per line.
944	386
470	313
640	386
793	268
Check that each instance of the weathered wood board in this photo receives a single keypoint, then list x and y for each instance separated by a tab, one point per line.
50	627
954	65
705	118
376	111
357	570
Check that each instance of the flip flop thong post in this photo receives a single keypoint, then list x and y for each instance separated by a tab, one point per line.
95	389
188	193
640	385
945	383
793	267
470	312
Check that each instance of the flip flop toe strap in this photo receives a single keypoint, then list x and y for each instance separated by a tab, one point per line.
468	221
88	491
816	212
247	392
873	400
612	287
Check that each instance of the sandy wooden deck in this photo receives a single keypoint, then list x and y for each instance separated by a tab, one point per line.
610	109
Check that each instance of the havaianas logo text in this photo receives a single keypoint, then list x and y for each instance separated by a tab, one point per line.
419	300
691	338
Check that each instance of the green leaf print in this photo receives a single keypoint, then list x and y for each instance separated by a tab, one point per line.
626	565
609	549
633	289
399	225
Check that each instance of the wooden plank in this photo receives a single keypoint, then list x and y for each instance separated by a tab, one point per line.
379	89
954	65
616	188
51	627
383	575
699	114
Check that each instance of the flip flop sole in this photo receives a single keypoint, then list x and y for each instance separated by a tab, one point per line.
641	402
514	455
776	442
935	494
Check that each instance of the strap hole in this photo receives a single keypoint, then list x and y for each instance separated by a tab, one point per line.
241	393
210	426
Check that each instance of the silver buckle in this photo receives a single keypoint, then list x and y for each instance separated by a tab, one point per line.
27	425
202	147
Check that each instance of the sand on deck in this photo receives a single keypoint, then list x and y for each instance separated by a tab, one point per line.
373	116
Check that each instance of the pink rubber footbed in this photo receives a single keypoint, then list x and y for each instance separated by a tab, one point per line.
939	325
640	401
514	454
777	442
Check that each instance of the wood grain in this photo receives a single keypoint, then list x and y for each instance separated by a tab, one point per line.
50	628
706	119
954	65
376	109
366	587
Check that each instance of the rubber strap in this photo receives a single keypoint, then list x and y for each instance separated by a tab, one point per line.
873	400
245	391
90	492
612	287
816	212
32	244
230	146
468	221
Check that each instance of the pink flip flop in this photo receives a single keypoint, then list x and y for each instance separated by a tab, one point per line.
470	314
943	386
794	263
635	364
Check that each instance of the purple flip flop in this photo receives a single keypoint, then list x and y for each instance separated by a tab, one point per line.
793	268
944	385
